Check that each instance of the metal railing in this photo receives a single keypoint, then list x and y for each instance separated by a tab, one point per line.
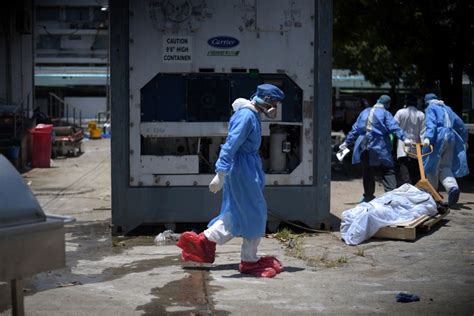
59	109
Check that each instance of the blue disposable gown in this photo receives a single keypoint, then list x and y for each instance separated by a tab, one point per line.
377	140
244	181
445	128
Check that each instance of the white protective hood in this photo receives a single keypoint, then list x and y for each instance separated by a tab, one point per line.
243	103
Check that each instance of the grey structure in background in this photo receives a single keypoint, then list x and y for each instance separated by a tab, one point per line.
134	203
16	53
71	55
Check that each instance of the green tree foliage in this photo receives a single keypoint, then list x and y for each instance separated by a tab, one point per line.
422	43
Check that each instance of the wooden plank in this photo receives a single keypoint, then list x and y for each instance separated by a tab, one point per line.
402	231
407	231
419	221
399	233
413	222
427	225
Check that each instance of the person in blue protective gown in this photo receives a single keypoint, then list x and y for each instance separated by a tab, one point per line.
372	149
448	135
239	172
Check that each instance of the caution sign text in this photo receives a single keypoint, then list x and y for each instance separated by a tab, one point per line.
177	49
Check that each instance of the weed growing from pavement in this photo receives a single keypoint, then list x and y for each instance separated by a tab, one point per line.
283	234
294	242
324	261
360	252
338	256
342	260
294	248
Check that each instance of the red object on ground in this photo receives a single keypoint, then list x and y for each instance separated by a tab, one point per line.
258	269
273	262
41	151
196	248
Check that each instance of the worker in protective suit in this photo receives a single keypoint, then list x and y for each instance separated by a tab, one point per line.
412	122
448	135
239	172
372	147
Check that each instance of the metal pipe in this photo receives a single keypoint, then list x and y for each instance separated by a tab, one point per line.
65	219
322	103
107	84
28	106
8	58
73	116
67	113
49	105
18	308
14	124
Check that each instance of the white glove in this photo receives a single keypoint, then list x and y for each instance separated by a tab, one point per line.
426	142
217	183
407	142
343	146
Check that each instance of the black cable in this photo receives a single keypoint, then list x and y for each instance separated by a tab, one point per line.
57	35
299	226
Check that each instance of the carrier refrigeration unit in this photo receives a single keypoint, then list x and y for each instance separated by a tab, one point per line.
177	66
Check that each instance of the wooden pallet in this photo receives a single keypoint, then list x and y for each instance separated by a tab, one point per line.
430	223
407	231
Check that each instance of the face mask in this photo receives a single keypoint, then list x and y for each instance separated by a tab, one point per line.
271	113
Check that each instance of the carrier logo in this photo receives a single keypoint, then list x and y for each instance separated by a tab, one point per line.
223	42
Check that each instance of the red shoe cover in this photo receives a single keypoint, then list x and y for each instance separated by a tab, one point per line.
256	269
270	261
196	247
184	241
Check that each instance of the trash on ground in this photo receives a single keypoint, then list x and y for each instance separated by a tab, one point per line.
73	283
407	297
291	244
166	238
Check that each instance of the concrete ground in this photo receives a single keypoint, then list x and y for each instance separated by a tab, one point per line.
322	274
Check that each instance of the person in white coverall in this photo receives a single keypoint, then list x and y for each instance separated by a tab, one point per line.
412	122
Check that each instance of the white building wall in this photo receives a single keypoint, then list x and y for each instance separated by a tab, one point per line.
89	106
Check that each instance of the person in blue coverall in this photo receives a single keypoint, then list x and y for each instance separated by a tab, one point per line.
372	149
448	135
239	172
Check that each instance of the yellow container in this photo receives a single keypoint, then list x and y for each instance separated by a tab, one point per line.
92	125
94	131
